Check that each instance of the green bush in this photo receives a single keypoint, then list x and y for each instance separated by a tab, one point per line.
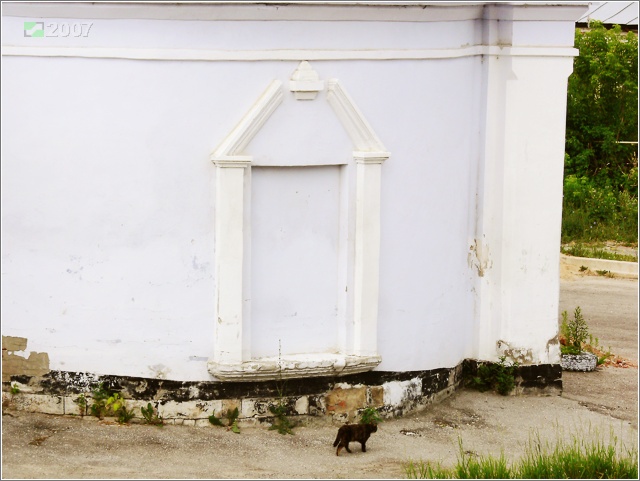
370	416
575	332
592	213
498	376
601	160
602	108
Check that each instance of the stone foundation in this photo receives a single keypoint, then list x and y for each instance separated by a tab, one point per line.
335	399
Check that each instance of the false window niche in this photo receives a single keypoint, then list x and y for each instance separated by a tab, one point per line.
297	250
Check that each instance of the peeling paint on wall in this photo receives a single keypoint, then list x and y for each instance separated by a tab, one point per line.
521	355
479	257
37	364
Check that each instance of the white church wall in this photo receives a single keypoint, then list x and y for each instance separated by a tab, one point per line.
109	191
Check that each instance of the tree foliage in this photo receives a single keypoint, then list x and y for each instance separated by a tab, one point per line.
602	109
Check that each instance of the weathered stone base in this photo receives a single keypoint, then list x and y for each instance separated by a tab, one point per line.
337	399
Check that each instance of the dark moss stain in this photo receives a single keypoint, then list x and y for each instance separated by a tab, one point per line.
21	379
529	377
317	405
540	376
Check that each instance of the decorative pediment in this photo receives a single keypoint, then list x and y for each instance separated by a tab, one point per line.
233	145
304	82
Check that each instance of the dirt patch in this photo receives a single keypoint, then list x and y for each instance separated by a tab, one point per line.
42	446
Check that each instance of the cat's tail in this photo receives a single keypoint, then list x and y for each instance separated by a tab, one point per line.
335	443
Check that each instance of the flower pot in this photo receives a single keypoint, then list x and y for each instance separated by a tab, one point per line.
585	361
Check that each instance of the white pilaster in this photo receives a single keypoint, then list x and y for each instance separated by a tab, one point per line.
230	225
229	256
367	251
515	252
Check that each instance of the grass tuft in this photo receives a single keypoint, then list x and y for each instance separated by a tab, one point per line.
580	250
582	457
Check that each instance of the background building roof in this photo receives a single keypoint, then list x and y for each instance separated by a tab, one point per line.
624	14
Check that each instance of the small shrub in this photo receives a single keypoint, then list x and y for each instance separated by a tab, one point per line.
574	331
7	401
81	401
150	416
594	213
117	404
232	420
499	376
370	416
100	394
281	422
107	402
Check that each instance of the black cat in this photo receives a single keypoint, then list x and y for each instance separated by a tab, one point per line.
353	432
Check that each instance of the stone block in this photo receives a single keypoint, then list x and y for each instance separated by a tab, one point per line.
376	396
255	407
584	361
230	404
346	400
72	407
188	409
39	403
302	405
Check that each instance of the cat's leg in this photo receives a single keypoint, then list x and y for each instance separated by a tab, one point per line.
364	447
346	446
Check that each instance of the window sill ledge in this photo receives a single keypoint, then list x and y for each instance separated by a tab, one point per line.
294	366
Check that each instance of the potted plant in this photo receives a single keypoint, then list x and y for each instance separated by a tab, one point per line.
574	332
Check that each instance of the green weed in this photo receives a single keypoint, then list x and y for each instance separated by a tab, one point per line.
583	457
593	213
574	331
580	250
100	394
370	416
499	376
232	420
81	401
107	402
150	416
281	422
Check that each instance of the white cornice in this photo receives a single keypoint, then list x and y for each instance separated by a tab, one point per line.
217	11
294	55
310	11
